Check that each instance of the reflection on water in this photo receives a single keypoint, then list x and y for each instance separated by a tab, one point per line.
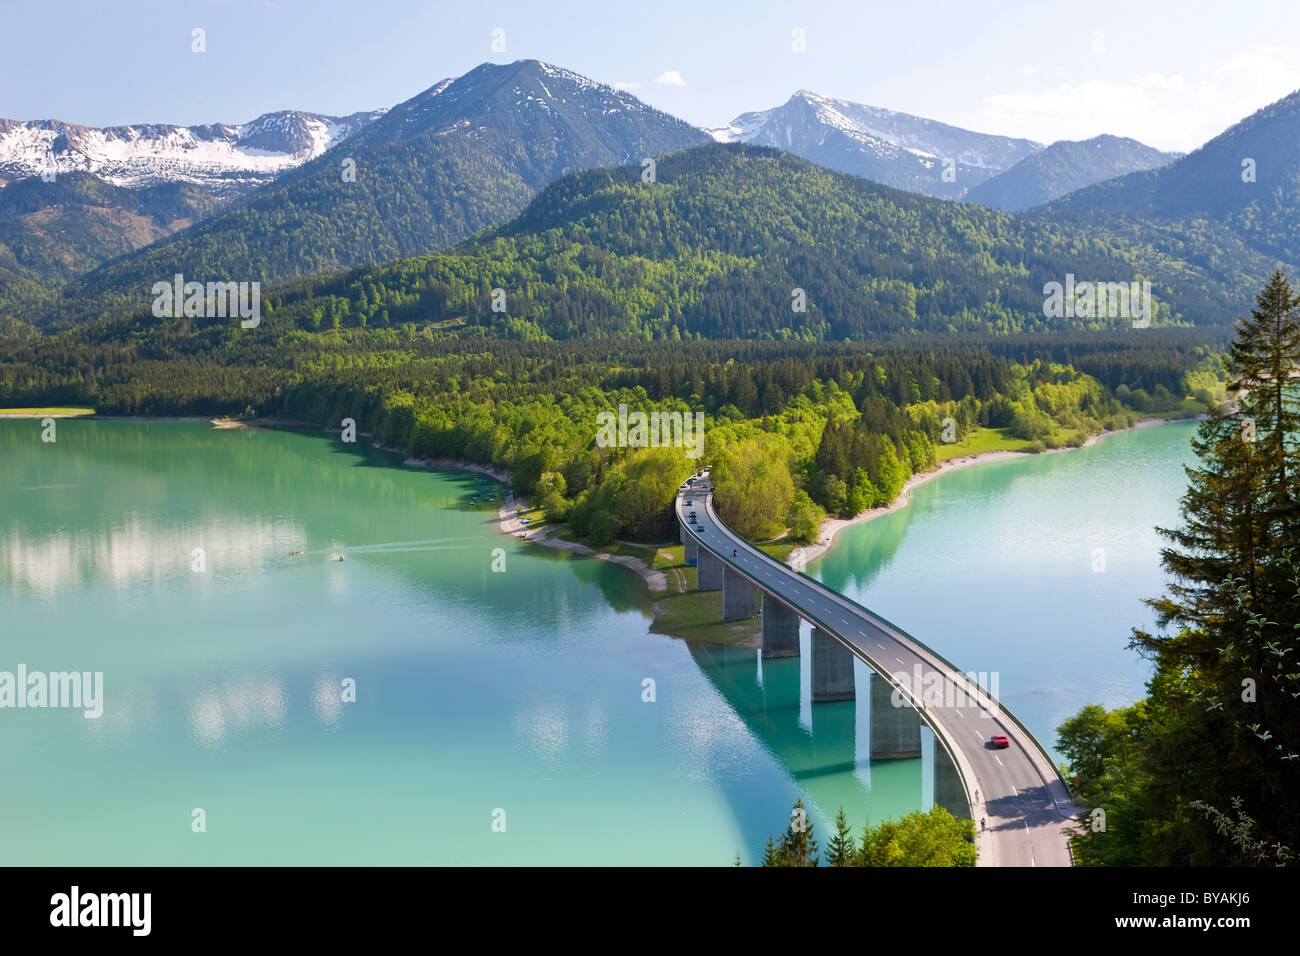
470	689
996	567
237	707
823	745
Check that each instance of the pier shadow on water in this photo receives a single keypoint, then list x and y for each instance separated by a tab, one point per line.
822	746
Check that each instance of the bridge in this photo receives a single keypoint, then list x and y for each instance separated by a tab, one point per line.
1020	793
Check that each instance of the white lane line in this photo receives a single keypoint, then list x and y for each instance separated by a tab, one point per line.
879	645
998	759
899	659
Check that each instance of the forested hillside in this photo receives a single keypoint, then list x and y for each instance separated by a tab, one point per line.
742	242
1242	189
463	155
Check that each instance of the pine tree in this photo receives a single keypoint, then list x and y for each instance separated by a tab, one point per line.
771	855
1220	677
841	851
1262	363
798	845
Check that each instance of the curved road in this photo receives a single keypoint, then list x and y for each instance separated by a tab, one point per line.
1027	806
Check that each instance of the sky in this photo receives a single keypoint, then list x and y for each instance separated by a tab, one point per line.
1172	75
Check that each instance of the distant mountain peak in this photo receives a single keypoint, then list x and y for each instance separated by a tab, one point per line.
1066	166
897	149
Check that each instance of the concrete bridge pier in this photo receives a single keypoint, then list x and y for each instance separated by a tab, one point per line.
739	596
832	669
708	573
948	791
690	548
895	731
780	629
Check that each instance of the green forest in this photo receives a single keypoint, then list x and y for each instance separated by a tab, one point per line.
1205	770
807	428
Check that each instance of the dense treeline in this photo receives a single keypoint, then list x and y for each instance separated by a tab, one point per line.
794	430
923	838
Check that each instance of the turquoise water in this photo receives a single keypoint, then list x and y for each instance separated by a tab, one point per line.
1033	568
476	691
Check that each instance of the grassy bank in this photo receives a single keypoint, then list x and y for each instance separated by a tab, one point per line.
53	411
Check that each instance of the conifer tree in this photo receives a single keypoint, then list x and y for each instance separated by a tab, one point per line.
798	845
840	850
1223	681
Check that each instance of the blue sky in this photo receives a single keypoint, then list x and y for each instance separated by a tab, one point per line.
1170	74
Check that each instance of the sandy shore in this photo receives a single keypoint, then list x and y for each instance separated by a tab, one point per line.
508	523
830	527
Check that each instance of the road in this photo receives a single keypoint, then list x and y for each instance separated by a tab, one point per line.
1027	806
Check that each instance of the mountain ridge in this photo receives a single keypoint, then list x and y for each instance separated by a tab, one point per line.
886	146
1064	167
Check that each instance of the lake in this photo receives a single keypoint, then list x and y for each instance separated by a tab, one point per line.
412	705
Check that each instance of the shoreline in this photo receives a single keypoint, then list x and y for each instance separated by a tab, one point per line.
507	521
830	527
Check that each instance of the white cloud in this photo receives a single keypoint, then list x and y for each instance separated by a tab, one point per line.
1168	111
1160	81
670	78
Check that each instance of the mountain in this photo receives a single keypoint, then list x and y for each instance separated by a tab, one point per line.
73	197
464	154
734	241
1242	187
896	149
226	160
52	232
1064	167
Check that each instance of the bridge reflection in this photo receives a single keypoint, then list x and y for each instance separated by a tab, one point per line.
823	746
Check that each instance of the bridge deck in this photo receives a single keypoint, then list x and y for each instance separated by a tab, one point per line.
1027	806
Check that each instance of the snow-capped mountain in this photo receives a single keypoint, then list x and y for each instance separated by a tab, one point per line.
464	154
227	160
897	149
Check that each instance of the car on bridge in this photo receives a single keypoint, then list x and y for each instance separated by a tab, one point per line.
1000	742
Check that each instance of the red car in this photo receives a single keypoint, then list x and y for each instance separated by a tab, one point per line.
1000	742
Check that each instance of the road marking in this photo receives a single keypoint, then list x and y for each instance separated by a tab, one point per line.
998	759
899	659
879	645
